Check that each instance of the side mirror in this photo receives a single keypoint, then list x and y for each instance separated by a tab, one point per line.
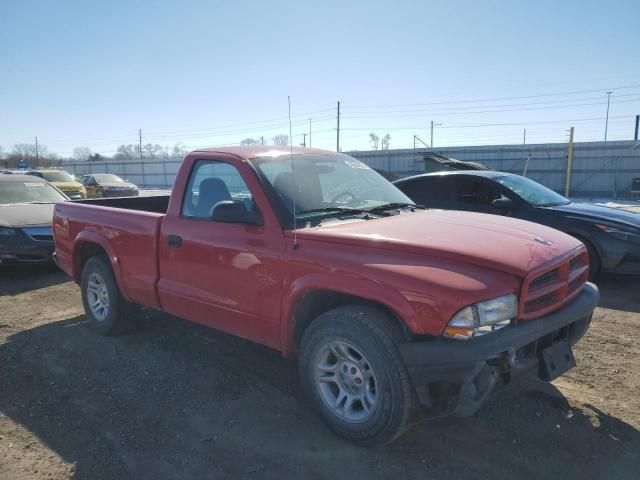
503	204
229	211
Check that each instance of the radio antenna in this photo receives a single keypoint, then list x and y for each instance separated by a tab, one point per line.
293	180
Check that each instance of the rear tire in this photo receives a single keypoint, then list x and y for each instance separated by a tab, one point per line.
107	310
352	372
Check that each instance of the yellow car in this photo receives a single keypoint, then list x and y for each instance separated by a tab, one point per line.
63	182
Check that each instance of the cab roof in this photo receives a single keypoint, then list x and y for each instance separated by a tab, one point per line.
263	151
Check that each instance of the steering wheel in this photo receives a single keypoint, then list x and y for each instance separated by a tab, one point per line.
343	194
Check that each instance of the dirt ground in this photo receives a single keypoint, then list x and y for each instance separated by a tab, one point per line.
176	400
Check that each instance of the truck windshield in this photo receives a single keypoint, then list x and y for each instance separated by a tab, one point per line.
320	183
29	192
532	192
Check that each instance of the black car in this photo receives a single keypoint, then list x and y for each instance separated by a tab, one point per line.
612	236
26	212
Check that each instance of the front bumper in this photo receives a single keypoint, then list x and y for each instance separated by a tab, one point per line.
27	254
456	377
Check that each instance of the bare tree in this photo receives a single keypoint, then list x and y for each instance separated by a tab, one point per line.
81	154
374	140
126	152
281	140
385	142
248	142
179	150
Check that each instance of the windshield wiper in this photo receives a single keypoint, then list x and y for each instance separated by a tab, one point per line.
333	210
395	206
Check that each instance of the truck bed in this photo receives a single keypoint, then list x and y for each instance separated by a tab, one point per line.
127	229
156	203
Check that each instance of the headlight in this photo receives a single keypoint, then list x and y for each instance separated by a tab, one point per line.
8	232
483	317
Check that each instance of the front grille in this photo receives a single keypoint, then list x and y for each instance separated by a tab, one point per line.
545	279
546	290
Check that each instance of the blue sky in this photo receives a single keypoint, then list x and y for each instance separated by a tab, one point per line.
208	73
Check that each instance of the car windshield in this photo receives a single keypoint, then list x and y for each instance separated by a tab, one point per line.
60	176
107	178
328	183
29	192
532	192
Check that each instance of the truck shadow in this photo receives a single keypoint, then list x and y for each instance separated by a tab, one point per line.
619	292
175	400
15	280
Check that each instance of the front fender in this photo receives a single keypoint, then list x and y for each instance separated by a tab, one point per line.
342	283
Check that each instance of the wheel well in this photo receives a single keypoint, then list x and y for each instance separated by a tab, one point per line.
317	302
88	250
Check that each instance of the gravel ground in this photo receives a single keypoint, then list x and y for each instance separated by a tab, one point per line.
176	400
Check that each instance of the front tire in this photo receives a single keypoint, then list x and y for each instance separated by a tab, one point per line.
352	372
107	310
595	264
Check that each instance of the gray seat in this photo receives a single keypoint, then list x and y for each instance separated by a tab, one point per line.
212	190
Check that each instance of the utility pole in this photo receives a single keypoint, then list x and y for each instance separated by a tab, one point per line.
432	125
309	133
262	141
569	164
338	131
140	143
37	156
635	135
431	143
304	140
524	142
606	123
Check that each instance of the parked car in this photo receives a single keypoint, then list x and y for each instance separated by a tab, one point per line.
389	309
612	236
62	181
99	185
26	211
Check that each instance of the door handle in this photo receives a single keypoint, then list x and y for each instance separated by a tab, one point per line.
174	241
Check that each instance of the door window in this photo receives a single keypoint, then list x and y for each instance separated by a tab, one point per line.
429	191
212	182
475	191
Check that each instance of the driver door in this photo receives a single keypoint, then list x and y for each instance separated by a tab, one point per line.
225	275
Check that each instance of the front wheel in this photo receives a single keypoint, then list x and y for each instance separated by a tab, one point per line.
352	372
595	264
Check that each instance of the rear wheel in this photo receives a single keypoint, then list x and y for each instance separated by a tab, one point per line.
108	312
352	372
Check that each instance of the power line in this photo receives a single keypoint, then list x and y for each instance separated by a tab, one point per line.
575	92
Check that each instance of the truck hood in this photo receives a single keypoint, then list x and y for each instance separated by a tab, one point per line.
491	241
26	214
599	214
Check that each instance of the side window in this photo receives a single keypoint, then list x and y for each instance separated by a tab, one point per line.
212	182
430	192
475	191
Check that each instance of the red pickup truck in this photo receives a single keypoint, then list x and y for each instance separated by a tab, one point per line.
389	308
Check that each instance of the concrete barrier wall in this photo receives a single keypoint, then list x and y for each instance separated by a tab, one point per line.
599	169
